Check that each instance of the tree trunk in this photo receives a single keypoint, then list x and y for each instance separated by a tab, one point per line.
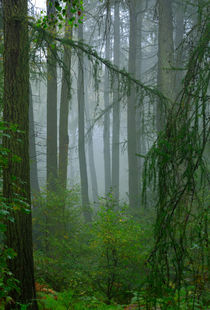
16	176
106	136
93	176
32	149
131	113
51	109
81	128
179	36
116	108
64	111
140	143
165	58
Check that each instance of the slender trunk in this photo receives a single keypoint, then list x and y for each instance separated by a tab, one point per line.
51	109
81	128
116	108
32	149
179	35
64	112
165	58
131	114
16	175
91	158
107	152
93	176
139	100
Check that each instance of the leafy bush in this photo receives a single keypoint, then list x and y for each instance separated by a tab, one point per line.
117	252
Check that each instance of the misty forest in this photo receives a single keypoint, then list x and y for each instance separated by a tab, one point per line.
104	154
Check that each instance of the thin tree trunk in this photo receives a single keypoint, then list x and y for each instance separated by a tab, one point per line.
51	110
64	112
91	158
116	108
32	149
106	135
165	58
16	175
179	35
93	176
81	128
139	100
131	113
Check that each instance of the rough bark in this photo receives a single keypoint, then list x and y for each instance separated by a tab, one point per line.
81	129
16	176
106	134
51	110
116	108
131	113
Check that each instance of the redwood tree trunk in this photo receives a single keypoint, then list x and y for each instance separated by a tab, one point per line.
16	176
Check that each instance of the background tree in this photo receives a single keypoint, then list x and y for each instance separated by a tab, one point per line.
106	133
81	129
116	107
52	165
16	176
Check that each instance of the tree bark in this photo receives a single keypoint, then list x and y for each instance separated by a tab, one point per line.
131	112
106	135
16	176
64	110
140	142
51	109
165	58
34	182
92	167
179	36
81	128
116	108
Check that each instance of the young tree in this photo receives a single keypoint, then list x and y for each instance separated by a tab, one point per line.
16	176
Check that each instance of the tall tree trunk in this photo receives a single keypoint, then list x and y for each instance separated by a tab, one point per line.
93	176
51	109
179	36
106	136
64	111
91	157
32	149
16	175
116	108
131	113
165	58
139	100
81	128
